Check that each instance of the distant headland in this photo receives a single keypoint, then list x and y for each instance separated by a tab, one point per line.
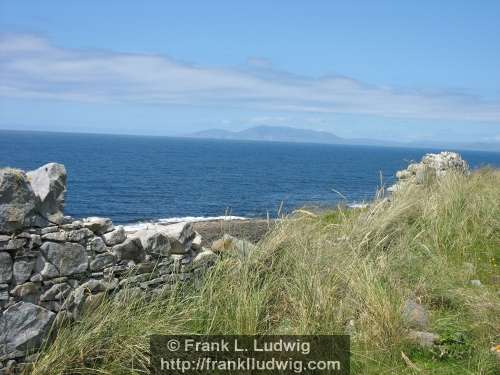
289	134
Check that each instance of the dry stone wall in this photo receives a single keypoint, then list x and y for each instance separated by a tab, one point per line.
52	266
432	166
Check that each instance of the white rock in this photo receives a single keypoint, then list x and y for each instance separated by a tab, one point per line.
98	225
115	237
49	185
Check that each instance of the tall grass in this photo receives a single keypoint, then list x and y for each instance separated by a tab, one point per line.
346	271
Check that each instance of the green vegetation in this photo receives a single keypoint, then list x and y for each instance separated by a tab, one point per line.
345	271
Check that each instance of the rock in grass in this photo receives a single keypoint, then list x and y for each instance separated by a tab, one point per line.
233	244
415	315
205	258
423	339
476	283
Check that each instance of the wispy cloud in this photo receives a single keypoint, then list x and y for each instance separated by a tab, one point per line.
31	67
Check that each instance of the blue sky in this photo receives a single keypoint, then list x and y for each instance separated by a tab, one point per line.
381	69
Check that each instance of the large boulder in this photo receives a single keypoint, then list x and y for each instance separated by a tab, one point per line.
17	201
154	241
61	259
181	236
49	185
24	327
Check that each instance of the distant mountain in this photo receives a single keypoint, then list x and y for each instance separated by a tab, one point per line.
286	134
271	133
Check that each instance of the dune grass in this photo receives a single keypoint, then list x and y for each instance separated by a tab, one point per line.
341	271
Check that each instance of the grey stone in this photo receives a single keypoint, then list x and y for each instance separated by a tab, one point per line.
56	280
50	229
52	305
77	235
154	241
196	244
23	269
15	244
136	279
35	241
49	185
24	326
98	225
5	267
476	283
96	286
4	295
415	315
423	339
115	237
96	245
431	166
102	261
28	292
77	224
131	249
118	270
167	268
229	243
67	219
128	294
205	258
56	292
152	283
61	259
4	241
17	201
181	236
36	278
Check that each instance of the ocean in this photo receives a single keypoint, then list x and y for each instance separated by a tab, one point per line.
140	179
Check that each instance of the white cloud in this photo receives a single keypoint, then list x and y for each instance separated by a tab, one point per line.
31	67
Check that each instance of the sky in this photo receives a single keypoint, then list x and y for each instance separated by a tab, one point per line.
391	70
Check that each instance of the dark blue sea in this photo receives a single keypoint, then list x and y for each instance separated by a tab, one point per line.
139	178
